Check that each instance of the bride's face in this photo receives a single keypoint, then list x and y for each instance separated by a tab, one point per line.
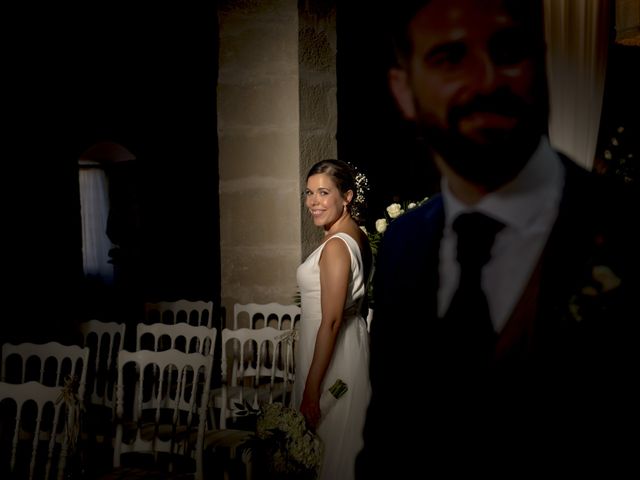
324	200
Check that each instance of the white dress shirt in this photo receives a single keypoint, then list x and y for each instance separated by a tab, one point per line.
528	206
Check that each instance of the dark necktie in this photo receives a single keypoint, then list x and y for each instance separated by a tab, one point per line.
467	320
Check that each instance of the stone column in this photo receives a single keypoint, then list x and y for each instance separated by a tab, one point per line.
276	116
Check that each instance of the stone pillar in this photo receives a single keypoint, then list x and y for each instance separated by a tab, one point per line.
276	116
318	101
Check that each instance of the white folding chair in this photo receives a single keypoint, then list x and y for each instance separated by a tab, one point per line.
257	315
162	408
257	368
180	336
51	363
277	315
105	340
34	434
193	312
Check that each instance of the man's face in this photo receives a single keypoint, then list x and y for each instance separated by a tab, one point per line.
474	83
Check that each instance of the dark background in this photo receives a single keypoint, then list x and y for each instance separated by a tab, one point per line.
146	77
621	105
371	132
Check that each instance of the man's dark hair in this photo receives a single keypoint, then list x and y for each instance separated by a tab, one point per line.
400	18
529	13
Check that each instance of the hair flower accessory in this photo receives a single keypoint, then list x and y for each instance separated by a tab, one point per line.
359	201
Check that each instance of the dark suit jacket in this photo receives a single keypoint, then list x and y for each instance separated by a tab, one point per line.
565	376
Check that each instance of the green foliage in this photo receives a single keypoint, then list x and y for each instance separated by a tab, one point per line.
392	212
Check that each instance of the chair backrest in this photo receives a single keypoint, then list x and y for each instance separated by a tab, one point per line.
34	441
252	315
105	340
49	363
181	336
193	312
257	367
162	404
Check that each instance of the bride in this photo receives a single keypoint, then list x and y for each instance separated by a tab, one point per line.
334	342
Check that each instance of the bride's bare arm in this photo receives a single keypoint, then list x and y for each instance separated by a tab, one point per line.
335	265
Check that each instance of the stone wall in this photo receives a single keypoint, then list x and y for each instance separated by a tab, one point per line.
276	116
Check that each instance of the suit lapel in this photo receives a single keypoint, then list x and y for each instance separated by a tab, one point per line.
538	324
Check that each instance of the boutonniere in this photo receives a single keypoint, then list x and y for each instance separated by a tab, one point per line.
596	295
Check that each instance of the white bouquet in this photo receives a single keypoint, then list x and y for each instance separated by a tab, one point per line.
289	448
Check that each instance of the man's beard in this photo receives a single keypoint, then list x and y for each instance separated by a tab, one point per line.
502	154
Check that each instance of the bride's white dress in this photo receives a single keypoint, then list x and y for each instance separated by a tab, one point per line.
341	428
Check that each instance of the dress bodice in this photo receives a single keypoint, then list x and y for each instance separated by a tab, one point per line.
308	276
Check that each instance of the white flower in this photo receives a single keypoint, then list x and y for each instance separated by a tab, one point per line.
381	225
292	448
614	141
364	229
395	210
362	188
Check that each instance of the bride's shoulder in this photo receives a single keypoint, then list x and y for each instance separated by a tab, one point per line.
356	238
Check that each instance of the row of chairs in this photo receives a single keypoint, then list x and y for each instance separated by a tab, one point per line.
257	367
261	351
106	339
199	312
